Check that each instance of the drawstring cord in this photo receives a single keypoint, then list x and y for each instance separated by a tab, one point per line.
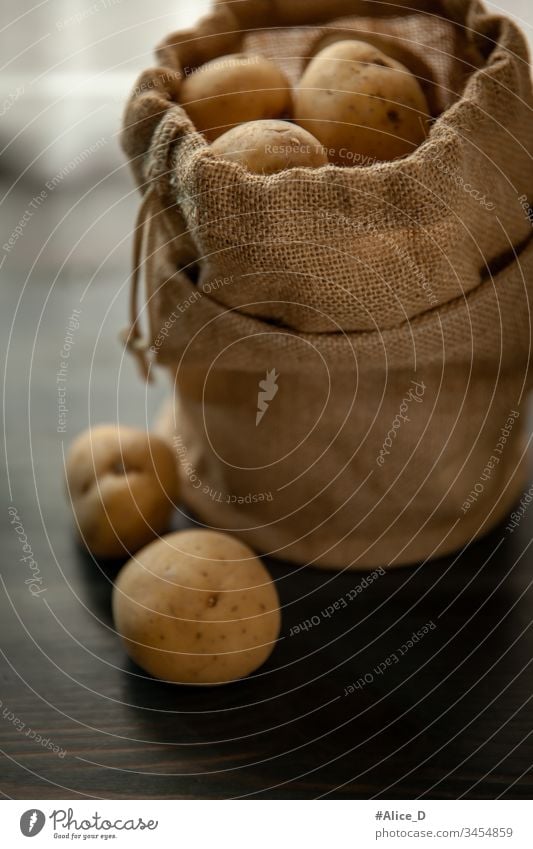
132	336
158	172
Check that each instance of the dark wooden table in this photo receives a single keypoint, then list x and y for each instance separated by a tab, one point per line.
452	719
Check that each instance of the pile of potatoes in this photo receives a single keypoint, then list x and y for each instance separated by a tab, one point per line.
192	607
352	105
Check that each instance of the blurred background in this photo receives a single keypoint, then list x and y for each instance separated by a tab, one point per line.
67	69
68	204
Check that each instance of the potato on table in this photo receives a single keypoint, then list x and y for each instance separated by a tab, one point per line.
122	483
197	607
232	89
361	104
267	147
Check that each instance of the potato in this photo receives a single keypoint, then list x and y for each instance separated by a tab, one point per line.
213	35
232	89
393	48
122	484
361	104
196	607
266	147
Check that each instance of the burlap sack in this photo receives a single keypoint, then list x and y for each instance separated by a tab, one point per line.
349	346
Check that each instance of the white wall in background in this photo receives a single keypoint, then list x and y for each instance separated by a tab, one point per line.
67	67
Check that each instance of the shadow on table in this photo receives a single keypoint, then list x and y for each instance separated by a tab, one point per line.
386	694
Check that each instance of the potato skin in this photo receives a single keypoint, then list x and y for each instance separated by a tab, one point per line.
267	147
233	89
361	104
122	483
197	607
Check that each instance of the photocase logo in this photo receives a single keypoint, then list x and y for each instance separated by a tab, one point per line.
268	389
32	822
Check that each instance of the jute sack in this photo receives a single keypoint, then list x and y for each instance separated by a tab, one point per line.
349	347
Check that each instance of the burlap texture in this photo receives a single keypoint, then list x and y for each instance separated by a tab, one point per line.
392	300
